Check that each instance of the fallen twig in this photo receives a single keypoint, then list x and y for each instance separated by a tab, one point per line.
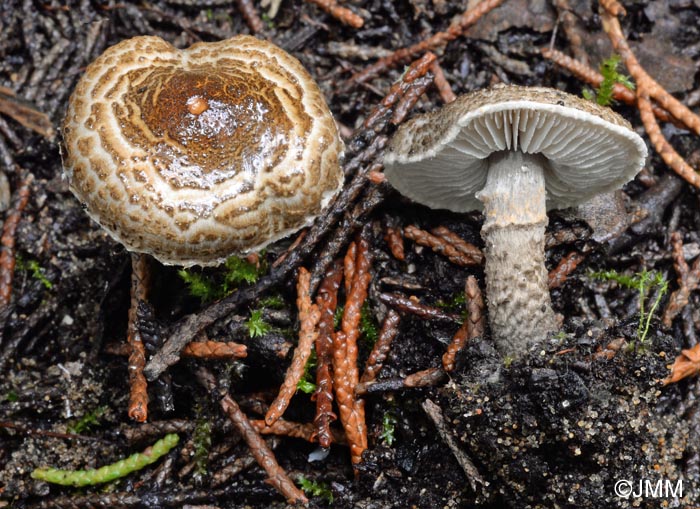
382	347
309	316
342	14
648	88
138	396
7	242
434	42
277	477
466	255
434	412
566	266
415	307
345	352
473	327
594	79
688	280
327	301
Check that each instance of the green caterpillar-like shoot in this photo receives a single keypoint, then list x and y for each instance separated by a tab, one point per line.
111	472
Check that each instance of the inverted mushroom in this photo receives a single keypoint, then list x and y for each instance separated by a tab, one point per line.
514	152
194	155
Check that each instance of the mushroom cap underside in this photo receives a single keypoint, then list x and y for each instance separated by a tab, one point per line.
194	155
440	159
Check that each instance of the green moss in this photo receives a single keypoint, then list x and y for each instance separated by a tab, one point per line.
256	325
216	285
87	421
369	329
388	434
643	282
307	383
201	440
603	95
316	489
34	269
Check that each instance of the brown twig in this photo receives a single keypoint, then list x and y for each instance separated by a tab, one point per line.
309	316
594	79
434	42
413	306
571	29
440	245
305	431
349	261
648	88
215	350
7	242
345	352
426	378
566	266
342	14
459	243
138	386
688	280
382	347
327	301
417	69
473	326
394	240
250	15
277	477
434	412
26	114
441	84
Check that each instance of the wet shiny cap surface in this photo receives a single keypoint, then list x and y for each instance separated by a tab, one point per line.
194	155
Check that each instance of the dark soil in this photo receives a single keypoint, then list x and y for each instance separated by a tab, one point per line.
557	429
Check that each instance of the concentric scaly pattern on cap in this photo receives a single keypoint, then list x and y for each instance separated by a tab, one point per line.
439	159
193	155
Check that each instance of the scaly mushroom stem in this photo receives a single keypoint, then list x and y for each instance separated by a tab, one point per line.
520	311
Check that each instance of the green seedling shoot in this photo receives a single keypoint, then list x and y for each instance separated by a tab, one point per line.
603	95
111	472
644	282
388	435
306	384
316	489
256	325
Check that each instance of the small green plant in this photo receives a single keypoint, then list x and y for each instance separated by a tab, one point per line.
201	440
35	270
209	287
388	434
368	326
316	489
603	95
256	325
272	302
307	384
644	282
11	397
89	420
111	472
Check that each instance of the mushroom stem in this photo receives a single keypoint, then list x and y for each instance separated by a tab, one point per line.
520	311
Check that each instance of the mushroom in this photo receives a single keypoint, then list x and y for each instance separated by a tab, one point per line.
194	155
514	152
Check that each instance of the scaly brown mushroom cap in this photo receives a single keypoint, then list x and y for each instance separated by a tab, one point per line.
193	155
